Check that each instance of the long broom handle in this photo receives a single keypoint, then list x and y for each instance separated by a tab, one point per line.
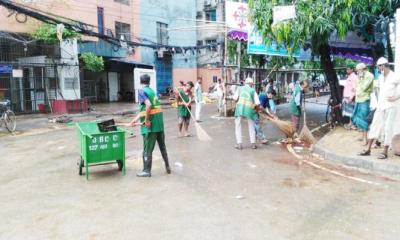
191	114
304	106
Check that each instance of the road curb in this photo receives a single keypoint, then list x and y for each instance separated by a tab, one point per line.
371	165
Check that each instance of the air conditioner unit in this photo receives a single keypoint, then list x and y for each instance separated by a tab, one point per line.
199	14
207	3
160	53
163	53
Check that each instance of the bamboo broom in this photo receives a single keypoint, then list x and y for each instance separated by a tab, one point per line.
305	134
286	127
201	134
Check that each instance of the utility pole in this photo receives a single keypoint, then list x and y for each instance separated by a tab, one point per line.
397	42
224	61
239	56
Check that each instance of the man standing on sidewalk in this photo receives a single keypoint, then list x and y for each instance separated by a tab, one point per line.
152	126
220	90
198	98
247	101
296	102
349	94
383	123
364	89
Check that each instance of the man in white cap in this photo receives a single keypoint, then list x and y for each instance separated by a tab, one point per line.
247	101
382	127
365	85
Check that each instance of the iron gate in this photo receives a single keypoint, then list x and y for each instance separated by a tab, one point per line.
33	91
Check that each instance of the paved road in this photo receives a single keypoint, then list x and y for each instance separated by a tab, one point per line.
215	192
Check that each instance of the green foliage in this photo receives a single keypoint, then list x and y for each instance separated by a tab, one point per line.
245	59
371	16
48	33
232	53
315	21
280	62
341	63
92	62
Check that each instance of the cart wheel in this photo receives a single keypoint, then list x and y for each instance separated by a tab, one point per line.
80	167
120	165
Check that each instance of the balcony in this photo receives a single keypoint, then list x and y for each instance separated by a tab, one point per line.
103	48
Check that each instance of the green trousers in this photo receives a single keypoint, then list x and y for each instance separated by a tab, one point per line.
149	142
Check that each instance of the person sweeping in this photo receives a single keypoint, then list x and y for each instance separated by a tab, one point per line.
247	100
184	97
296	102
151	121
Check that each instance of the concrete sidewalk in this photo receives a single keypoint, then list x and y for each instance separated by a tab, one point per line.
342	146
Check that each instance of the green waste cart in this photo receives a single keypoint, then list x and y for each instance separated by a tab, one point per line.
100	148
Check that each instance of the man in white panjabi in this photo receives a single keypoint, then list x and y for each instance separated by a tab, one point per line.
198	98
383	123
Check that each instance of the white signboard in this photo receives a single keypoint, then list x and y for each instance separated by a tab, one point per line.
237	16
17	73
137	73
282	13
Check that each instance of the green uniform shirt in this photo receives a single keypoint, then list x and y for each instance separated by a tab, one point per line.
156	116
293	107
245	105
182	109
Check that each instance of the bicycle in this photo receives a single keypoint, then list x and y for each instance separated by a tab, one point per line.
7	118
333	113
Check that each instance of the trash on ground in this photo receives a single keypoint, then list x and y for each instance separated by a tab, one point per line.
240	197
178	164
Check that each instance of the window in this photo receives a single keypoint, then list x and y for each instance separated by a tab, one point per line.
199	14
100	19
212	42
126	2
123	29
70	83
211	15
200	43
162	33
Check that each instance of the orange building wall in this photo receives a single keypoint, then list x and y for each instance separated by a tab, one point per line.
206	74
184	74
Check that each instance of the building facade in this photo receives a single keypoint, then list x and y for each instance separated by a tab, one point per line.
210	30
170	29
163	22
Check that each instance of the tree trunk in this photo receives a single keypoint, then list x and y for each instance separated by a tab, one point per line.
330	73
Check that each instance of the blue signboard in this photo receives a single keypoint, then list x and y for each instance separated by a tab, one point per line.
5	69
256	45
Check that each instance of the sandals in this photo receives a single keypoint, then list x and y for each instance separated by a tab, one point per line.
365	153
383	156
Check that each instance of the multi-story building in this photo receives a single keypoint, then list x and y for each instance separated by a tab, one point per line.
210	29
164	22
153	22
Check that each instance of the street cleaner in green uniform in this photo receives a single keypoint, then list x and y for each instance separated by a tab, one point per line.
151	121
296	103
247	101
184	97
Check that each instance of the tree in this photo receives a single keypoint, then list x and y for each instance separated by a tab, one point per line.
370	19
316	21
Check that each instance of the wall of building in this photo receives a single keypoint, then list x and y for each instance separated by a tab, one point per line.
176	14
210	31
207	75
84	11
